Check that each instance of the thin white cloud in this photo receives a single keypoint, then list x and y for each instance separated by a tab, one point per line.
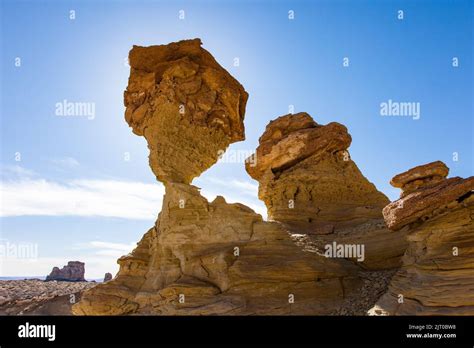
65	162
114	246
17	171
108	198
102	248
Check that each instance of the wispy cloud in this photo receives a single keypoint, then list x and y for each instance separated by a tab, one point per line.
102	248
109	198
65	162
24	193
17	171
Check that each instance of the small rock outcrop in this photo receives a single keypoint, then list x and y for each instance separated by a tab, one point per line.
107	277
310	184
437	214
74	272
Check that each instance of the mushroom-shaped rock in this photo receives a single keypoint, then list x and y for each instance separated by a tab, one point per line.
188	108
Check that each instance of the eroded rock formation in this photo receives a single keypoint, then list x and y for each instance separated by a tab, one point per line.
309	182
73	271
201	257
437	276
217	258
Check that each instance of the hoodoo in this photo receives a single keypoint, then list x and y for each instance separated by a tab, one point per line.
437	275
189	109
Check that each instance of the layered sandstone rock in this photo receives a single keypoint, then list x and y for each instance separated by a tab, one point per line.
186	106
309	182
219	258
73	271
201	257
437	276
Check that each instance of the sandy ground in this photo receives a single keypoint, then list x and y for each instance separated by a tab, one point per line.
37	297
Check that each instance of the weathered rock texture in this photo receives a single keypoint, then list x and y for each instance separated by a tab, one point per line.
186	106
437	276
217	258
73	271
309	182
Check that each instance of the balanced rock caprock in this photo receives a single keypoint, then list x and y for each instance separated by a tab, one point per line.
437	275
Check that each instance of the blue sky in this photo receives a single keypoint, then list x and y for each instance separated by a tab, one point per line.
66	186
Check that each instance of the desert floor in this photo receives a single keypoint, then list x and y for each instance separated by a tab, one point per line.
38	297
